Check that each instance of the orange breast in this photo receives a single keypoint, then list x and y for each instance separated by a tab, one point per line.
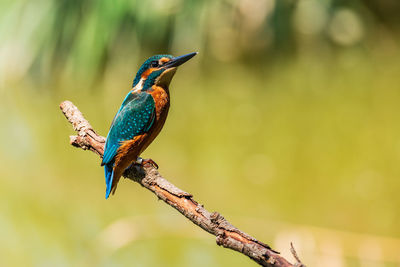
161	99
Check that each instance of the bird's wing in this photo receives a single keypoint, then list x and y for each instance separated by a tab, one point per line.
135	117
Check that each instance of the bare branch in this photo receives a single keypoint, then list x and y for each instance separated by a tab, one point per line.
226	234
294	253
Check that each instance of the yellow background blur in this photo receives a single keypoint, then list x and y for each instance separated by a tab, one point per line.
287	122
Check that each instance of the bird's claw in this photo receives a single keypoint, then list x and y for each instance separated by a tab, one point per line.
143	162
150	161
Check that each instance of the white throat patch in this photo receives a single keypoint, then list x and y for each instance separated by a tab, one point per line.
139	85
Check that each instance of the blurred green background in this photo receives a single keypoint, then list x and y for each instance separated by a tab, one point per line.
287	122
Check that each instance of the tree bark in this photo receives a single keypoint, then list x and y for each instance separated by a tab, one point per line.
226	234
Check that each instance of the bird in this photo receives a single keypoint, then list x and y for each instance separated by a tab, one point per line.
140	118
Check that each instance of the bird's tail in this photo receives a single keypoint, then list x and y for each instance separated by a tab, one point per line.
109	173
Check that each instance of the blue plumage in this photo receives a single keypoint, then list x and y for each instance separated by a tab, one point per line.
109	172
135	117
151	79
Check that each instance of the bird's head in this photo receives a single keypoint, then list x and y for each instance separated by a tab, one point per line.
159	70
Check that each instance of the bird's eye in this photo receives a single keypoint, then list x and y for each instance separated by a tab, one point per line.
154	64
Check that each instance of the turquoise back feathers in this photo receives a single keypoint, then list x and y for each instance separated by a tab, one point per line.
135	117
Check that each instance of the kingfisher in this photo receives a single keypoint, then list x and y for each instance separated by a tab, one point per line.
140	118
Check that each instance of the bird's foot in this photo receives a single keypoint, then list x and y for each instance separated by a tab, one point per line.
150	161
143	162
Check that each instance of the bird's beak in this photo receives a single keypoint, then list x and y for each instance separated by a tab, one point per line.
177	61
